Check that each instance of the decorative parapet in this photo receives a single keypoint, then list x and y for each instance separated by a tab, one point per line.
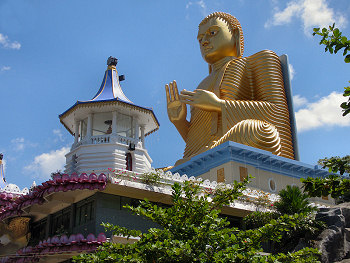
10	192
55	246
60	183
14	189
155	181
161	182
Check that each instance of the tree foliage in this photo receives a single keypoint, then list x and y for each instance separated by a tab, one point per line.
336	164
334	185
192	231
292	201
334	41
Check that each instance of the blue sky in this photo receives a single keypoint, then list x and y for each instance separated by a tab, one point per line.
53	53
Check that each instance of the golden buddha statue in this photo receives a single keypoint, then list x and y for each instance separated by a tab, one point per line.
241	100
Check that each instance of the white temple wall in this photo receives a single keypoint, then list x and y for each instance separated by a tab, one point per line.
262	179
98	158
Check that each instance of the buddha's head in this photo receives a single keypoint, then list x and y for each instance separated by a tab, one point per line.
220	35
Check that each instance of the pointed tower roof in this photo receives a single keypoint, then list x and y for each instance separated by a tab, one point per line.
110	88
109	97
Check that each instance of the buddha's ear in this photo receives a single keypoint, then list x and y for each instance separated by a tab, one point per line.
237	41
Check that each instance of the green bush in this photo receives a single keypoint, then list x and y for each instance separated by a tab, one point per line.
258	219
293	201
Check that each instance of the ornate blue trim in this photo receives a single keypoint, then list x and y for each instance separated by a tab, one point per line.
260	159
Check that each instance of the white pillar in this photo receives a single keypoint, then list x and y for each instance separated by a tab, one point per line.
133	123
89	126
114	123
76	132
142	127
137	127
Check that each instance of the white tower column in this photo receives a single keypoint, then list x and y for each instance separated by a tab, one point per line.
142	127
89	127
76	133
137	127
114	123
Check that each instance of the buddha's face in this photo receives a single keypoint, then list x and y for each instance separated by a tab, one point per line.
216	41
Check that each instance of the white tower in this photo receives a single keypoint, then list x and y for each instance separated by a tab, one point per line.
109	130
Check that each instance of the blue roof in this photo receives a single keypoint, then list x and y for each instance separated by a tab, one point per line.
240	153
110	88
109	91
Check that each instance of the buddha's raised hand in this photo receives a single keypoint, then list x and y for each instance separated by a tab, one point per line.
177	110
202	99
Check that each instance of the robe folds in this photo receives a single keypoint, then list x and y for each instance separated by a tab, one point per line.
254	112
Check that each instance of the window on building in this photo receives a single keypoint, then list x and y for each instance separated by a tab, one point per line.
128	159
60	222
243	173
128	201
83	128
124	126
84	212
102	123
38	231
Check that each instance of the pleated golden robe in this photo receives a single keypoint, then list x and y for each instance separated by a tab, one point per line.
255	111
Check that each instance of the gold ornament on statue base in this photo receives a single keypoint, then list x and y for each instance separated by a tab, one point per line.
241	100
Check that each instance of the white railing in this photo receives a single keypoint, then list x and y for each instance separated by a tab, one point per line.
127	140
100	139
108	138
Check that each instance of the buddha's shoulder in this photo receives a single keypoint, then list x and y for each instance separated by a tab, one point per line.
264	54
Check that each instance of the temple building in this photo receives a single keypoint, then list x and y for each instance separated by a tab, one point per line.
108	167
109	130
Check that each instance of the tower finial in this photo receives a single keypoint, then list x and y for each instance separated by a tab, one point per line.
112	61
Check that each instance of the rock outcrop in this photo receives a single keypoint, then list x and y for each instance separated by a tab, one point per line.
334	241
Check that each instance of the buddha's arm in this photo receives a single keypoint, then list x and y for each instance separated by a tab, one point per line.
182	128
202	99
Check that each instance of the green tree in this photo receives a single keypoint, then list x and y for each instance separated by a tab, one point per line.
334	185
192	231
334	41
336	164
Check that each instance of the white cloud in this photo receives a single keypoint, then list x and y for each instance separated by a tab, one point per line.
291	71
18	144
5	68
46	163
325	112
299	101
59	134
6	43
312	13
200	4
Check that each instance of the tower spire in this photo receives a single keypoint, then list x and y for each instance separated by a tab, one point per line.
110	88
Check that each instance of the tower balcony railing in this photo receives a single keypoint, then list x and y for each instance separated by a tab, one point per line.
100	139
108	138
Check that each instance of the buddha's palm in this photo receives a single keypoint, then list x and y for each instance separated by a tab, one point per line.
177	111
